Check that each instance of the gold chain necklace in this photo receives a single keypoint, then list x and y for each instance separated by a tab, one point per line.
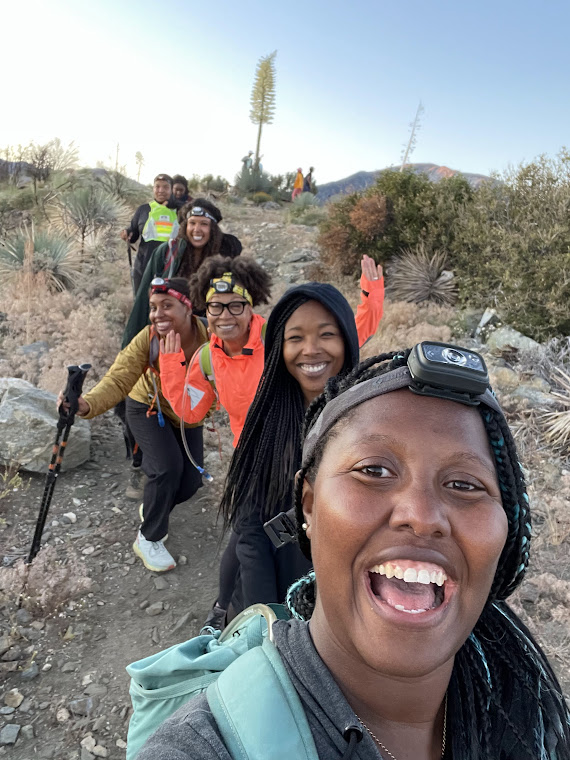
387	751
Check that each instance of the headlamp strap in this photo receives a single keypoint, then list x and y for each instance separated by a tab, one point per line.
227	284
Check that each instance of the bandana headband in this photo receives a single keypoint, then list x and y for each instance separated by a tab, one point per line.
377	386
227	284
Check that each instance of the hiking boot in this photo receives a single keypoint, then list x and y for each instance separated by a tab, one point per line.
141	515
216	619
135	489
154	554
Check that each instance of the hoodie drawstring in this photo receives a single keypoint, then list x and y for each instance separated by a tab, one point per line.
352	734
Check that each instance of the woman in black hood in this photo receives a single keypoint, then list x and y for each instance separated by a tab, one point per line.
312	335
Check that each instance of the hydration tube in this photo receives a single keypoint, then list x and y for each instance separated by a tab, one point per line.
159	413
204	473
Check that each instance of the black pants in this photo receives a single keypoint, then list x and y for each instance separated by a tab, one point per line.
134	451
145	251
229	572
266	572
172	478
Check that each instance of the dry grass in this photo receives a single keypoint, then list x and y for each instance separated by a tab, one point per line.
47	584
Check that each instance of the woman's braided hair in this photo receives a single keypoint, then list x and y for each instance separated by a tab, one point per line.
500	664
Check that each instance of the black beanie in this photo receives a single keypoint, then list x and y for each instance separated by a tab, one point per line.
333	300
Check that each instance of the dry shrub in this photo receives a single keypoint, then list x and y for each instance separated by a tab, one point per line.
370	216
419	275
337	254
405	324
87	337
47	584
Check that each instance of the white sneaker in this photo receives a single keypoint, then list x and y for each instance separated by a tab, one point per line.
141	515
154	554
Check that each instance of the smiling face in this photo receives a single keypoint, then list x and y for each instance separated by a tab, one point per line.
168	313
313	348
406	526
227	326
178	190
198	229
161	191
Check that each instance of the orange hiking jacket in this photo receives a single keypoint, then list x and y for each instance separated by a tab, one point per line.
236	380
370	309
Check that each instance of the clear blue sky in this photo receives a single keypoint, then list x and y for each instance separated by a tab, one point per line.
173	80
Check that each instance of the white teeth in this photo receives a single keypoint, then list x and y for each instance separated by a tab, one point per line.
401	608
411	575
313	367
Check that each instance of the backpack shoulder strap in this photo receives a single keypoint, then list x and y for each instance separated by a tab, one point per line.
258	712
263	331
205	360
154	347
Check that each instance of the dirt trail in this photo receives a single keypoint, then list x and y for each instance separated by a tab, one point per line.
68	669
75	661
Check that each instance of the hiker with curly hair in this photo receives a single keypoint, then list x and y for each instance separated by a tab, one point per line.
412	506
134	378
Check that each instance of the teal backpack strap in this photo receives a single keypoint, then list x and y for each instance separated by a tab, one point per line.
258	712
205	360
263	331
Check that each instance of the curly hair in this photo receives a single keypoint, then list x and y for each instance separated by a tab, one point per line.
247	273
500	659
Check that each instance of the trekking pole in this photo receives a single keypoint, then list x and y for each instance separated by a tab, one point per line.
130	249
75	377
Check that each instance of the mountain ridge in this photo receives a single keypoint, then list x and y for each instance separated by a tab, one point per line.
362	180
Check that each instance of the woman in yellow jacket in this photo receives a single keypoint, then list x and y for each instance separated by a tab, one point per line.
298	184
135	375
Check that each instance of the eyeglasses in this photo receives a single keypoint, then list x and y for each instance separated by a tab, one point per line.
215	308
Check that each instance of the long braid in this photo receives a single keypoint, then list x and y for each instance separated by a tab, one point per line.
500	660
268	451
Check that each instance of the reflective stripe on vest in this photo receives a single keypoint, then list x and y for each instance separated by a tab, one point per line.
162	223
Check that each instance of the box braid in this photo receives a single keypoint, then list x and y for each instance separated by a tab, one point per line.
268	453
500	664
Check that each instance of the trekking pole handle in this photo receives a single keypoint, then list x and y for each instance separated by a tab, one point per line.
75	379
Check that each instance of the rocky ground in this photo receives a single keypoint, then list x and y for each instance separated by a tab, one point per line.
64	687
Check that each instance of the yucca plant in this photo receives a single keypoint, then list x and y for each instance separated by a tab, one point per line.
420	275
40	251
557	424
305	209
86	212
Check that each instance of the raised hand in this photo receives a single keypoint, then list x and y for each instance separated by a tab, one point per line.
171	344
370	269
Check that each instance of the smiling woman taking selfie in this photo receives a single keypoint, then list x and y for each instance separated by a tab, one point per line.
412	505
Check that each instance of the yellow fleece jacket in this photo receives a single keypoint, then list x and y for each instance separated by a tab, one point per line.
129	376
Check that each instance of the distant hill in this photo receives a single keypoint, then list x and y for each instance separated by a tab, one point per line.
362	180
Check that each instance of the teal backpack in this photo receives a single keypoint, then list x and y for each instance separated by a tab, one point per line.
251	697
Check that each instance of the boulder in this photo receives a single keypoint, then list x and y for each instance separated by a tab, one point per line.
506	337
28	424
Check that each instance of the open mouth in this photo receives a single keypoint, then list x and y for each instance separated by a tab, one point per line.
163	327
413	588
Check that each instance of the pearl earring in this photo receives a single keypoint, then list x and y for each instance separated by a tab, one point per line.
304	526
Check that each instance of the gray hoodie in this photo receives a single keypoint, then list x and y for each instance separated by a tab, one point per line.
192	733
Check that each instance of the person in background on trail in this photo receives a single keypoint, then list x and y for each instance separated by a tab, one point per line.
308	181
414	511
199	238
135	376
154	223
226	370
297	185
312	335
247	161
180	190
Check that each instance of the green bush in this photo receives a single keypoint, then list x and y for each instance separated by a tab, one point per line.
306	210
259	198
40	251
